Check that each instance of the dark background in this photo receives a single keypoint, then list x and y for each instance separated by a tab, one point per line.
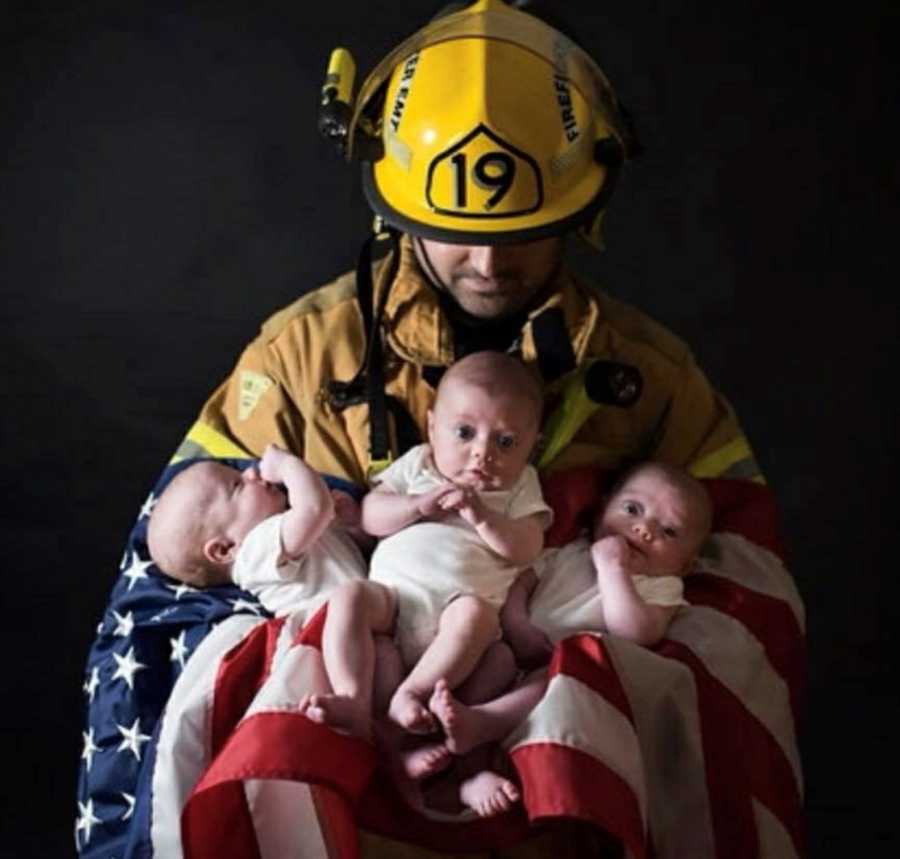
163	190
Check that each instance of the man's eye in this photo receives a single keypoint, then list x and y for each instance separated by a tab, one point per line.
506	442
464	432
631	508
670	532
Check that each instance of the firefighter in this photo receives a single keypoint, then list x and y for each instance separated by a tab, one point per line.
484	140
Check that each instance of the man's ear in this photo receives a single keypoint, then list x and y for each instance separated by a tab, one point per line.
219	550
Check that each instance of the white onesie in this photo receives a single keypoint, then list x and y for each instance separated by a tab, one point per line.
566	600
301	584
428	564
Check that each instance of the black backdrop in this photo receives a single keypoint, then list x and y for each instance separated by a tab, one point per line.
163	190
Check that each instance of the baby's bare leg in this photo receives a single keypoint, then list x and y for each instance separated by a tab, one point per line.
356	612
469	726
491	677
389	671
468	626
408	757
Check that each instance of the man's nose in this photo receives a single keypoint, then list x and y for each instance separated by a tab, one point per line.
484	259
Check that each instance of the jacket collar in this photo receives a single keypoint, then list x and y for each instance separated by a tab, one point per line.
417	330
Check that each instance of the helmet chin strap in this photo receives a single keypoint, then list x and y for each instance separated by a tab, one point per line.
425	260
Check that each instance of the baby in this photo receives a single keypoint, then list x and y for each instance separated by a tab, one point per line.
214	524
459	518
626	579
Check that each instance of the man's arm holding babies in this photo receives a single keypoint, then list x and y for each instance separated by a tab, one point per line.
310	504
624	612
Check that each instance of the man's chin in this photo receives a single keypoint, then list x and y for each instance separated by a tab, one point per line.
490	310
489	304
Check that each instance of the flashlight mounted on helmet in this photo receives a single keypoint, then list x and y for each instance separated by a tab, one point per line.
336	108
336	100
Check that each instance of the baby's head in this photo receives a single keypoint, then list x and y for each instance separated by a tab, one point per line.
485	420
202	516
662	512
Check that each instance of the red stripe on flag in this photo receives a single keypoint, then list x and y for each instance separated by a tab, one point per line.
241	673
574	495
743	760
585	658
218	823
284	746
771	621
746	508
311	634
559	781
337	823
281	745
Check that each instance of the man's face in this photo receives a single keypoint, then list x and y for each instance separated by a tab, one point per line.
491	281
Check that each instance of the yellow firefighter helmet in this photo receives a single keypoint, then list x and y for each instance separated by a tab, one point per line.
488	126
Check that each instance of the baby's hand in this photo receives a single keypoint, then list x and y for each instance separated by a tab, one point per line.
431	504
613	552
465	501
272	463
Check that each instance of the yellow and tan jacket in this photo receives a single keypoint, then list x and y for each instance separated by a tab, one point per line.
278	392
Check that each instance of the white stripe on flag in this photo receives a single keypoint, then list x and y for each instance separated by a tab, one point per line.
182	752
737	660
298	671
284	816
663	700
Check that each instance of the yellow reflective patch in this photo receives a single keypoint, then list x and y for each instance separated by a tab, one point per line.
734	459
253	386
376	466
203	440
398	150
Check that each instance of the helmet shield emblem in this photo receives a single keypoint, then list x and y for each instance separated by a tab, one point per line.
483	176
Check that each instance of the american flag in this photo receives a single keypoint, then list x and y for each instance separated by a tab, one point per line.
151	627
688	749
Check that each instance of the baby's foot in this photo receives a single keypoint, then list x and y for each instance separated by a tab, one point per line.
488	794
408	760
423	761
410	713
460	723
339	712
